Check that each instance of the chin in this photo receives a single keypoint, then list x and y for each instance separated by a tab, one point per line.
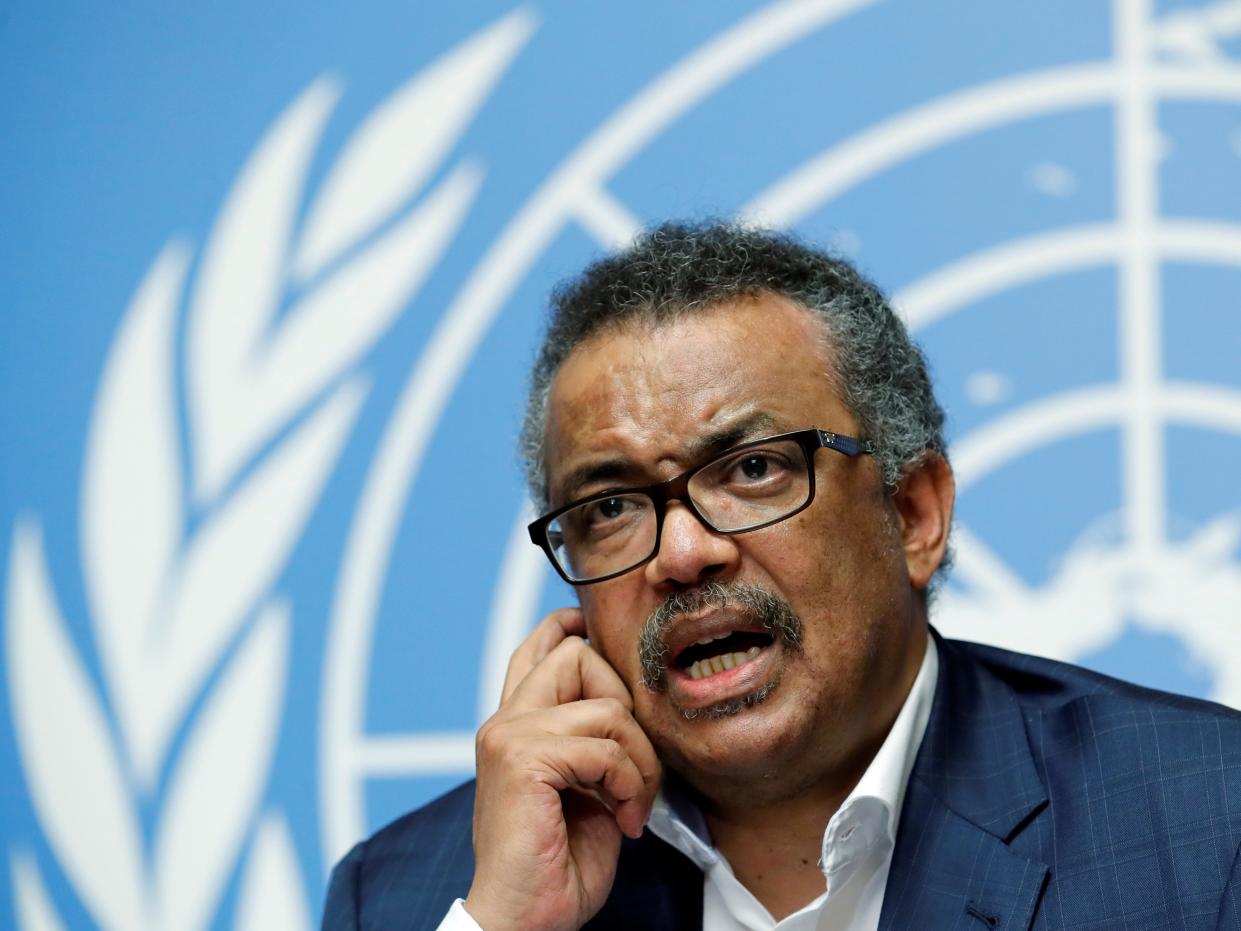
750	737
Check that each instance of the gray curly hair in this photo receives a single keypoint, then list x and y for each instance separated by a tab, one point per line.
676	269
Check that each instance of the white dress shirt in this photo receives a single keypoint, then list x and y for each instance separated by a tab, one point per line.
857	844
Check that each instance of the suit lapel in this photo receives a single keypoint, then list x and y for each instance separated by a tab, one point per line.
949	873
974	788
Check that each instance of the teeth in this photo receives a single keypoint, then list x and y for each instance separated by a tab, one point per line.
706	640
716	664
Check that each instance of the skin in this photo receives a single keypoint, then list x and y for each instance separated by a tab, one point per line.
559	778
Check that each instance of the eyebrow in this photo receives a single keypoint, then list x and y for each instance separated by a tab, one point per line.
607	470
753	426
624	472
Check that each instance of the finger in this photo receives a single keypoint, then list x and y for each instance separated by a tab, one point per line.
573	670
598	767
547	634
630	817
596	717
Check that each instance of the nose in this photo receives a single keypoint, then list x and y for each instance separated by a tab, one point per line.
690	553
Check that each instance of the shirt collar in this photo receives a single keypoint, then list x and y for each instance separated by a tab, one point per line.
887	775
876	800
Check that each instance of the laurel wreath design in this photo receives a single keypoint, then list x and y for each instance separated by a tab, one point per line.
180	553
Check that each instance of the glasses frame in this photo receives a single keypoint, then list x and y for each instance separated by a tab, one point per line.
676	488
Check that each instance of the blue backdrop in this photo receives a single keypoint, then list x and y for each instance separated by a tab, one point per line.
273	275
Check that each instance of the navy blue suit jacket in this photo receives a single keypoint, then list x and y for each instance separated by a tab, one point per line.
1043	796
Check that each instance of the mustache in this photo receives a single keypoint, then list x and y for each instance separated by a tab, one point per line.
754	605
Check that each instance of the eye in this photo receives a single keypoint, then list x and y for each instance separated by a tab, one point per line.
763	471
610	508
756	467
753	467
609	514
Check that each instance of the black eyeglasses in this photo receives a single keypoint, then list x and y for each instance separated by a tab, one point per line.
748	487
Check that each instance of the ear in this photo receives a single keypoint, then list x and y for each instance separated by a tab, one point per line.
923	503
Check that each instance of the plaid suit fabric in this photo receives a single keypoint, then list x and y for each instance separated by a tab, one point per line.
406	877
1048	796
1044	796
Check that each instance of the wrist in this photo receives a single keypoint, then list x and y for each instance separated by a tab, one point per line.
488	918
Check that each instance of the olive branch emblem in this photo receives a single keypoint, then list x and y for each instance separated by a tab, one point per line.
225	403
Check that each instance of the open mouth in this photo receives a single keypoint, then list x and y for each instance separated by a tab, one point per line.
713	655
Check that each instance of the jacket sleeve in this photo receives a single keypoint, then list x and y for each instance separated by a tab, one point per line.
340	913
1230	905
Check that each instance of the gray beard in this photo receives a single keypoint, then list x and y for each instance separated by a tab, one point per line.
730	706
752	604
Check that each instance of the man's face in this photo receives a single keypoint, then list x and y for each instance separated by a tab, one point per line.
638	405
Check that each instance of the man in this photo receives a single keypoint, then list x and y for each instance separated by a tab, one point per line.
748	722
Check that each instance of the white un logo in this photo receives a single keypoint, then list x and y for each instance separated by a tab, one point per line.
1041	254
307	417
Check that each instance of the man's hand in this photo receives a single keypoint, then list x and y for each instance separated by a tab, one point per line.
563	769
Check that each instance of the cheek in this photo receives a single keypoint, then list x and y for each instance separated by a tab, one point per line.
842	572
808	555
845	541
612	627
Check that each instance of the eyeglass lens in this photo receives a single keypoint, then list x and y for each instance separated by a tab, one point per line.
738	491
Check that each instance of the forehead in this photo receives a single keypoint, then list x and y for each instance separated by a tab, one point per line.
644	396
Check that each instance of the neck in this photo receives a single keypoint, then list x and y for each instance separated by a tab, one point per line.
773	840
774	847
